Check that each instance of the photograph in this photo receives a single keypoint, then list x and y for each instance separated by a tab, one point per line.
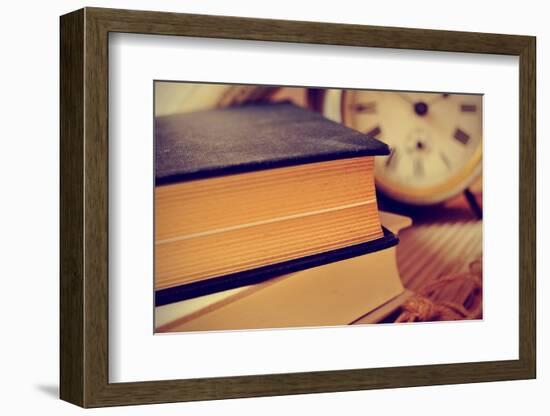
294	207
273	205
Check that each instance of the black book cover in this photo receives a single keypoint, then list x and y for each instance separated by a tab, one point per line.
243	139
212	143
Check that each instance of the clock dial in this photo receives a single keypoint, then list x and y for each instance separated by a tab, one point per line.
435	140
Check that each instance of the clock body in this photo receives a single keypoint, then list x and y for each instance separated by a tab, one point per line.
435	139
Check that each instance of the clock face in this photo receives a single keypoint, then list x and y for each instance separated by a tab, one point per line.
435	140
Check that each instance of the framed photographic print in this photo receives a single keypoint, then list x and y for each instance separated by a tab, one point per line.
256	207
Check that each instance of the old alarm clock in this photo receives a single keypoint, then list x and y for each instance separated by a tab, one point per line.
435	139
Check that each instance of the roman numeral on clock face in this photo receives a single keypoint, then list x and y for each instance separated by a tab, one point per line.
418	167
461	136
391	161
369	107
445	160
468	108
375	132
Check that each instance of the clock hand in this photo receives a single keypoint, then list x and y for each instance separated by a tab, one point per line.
406	98
427	104
419	107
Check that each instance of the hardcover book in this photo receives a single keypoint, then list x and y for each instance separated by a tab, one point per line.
365	288
247	193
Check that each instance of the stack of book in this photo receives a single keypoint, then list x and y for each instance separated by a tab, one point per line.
266	216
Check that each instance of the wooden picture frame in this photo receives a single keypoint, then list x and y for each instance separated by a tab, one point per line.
84	207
